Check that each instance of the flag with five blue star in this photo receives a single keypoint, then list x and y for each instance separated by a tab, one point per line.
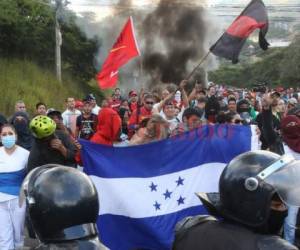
145	190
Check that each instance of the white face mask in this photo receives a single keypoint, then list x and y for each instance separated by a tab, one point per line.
8	141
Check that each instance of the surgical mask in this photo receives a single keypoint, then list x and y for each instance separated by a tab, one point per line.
8	141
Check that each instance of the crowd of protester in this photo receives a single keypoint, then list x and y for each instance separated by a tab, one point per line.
134	118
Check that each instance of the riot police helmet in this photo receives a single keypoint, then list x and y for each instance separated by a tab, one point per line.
248	184
62	203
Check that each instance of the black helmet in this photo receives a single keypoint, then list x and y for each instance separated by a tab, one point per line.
248	184
62	203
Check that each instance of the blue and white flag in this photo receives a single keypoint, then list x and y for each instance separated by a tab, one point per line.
145	190
10	182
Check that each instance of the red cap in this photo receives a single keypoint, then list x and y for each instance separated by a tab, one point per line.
78	104
279	89
132	93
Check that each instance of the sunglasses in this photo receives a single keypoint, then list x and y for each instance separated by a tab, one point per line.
150	103
238	121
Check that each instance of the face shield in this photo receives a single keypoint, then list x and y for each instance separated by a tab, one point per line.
284	176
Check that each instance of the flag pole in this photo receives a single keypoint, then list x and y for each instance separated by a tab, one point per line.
197	66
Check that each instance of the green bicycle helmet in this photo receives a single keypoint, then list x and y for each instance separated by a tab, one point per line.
42	126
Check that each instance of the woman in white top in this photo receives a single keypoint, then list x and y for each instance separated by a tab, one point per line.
13	161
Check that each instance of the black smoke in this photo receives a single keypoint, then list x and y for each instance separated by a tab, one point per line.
174	36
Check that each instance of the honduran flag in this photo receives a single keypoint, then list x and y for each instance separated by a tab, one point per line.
145	190
253	17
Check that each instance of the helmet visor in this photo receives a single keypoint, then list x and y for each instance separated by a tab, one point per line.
286	181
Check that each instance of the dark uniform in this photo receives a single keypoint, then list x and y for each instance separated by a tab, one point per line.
63	208
248	186
205	232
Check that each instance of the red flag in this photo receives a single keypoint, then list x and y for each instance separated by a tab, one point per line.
124	49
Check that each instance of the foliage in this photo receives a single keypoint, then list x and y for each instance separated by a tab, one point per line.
27	31
24	80
276	66
290	65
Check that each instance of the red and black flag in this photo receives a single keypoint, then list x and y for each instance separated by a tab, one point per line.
253	17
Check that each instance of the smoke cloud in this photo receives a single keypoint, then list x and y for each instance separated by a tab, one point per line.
172	36
175	37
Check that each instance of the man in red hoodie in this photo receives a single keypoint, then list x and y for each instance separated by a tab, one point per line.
141	113
109	127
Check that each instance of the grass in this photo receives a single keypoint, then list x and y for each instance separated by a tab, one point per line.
24	80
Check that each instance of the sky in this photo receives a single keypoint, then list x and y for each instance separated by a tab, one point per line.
102	8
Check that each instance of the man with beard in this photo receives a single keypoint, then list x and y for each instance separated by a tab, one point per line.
254	190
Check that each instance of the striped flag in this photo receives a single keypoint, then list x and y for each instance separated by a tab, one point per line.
145	190
253	17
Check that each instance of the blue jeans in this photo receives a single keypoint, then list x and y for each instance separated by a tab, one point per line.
290	224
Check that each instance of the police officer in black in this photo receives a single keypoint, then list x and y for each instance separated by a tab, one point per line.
254	189
63	208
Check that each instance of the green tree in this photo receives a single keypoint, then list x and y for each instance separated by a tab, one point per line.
276	66
27	32
290	65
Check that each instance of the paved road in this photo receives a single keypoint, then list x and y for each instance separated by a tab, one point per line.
29	243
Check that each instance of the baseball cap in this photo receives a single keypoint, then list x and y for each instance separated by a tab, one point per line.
90	97
132	93
292	101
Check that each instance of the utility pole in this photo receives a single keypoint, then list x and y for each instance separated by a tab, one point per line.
58	39
59	5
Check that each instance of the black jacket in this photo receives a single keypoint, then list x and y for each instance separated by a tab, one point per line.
269	126
41	153
83	244
206	233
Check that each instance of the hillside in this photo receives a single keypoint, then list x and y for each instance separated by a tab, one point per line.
24	80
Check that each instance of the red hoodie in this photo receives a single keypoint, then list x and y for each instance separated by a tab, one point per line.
109	127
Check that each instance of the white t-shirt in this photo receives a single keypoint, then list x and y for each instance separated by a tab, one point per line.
12	163
155	109
96	110
173	123
69	119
